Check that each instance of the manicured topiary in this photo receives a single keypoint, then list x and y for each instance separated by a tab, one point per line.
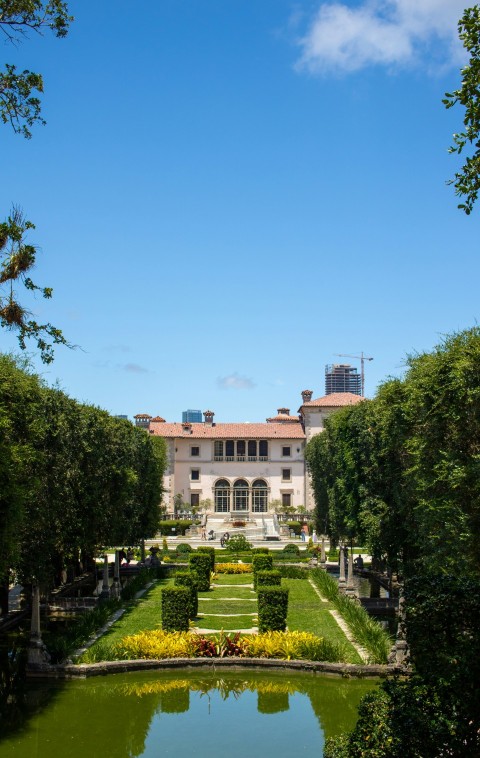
209	551
200	564
291	549
268	579
175	608
189	580
272	609
183	548
261	562
260	550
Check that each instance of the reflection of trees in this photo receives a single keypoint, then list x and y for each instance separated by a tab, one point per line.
117	711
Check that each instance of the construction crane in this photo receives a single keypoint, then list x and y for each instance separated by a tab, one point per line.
362	358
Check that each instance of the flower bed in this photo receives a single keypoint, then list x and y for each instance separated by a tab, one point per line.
233	568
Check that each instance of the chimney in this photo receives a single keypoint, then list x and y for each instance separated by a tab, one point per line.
283	411
187	427
307	396
208	417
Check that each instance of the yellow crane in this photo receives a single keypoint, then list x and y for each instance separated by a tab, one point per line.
362	358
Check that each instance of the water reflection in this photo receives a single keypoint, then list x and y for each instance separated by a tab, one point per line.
133	715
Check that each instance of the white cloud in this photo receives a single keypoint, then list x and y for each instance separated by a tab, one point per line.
134	368
235	382
382	32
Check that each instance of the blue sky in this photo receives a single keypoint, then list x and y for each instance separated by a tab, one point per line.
228	193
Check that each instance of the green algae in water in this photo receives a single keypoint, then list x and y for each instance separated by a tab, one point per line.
183	713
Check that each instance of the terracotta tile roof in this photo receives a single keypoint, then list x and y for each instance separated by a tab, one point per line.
335	400
159	419
230	431
142	415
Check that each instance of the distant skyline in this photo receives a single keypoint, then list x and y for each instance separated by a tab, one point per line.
230	194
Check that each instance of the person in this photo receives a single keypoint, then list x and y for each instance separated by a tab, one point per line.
204	533
359	562
210	534
226	536
304	532
314	537
122	555
130	555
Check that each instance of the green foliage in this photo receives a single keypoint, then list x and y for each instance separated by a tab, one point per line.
467	180
208	551
291	549
17	259
292	572
268	578
295	526
272	609
238	543
175	527
189	580
261	562
183	547
175	609
259	550
200	564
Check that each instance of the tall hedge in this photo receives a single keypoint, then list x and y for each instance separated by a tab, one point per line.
268	579
175	609
272	609
189	580
261	562
208	551
200	564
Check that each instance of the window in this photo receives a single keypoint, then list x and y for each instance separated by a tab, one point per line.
241	447
286	474
195	451
195	474
286	499
286	451
229	450
263	450
222	496
259	496
218	450
195	498
252	450
240	495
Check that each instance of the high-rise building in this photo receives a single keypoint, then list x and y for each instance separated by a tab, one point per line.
341	377
192	417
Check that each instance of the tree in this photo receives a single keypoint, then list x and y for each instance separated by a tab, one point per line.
467	180
20	107
17	258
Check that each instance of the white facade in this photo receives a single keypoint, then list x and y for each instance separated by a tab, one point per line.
242	468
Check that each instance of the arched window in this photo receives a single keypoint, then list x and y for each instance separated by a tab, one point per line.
222	496
259	496
240	495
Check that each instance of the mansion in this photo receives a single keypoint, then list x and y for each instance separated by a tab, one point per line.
242	467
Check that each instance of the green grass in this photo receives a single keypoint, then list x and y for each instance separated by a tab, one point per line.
307	613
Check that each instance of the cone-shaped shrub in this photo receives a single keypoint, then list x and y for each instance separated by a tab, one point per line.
189	580
175	607
200	563
272	609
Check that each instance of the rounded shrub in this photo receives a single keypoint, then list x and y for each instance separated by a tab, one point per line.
175	608
291	549
183	548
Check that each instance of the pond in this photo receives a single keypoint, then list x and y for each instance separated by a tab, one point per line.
183	713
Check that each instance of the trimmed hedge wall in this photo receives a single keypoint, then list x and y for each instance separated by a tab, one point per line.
208	551
180	526
189	580
268	579
175	607
260	550
200	564
261	562
272	609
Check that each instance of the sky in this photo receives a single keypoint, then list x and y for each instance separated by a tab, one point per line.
228	194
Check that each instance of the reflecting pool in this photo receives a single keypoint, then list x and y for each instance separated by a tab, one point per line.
194	714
